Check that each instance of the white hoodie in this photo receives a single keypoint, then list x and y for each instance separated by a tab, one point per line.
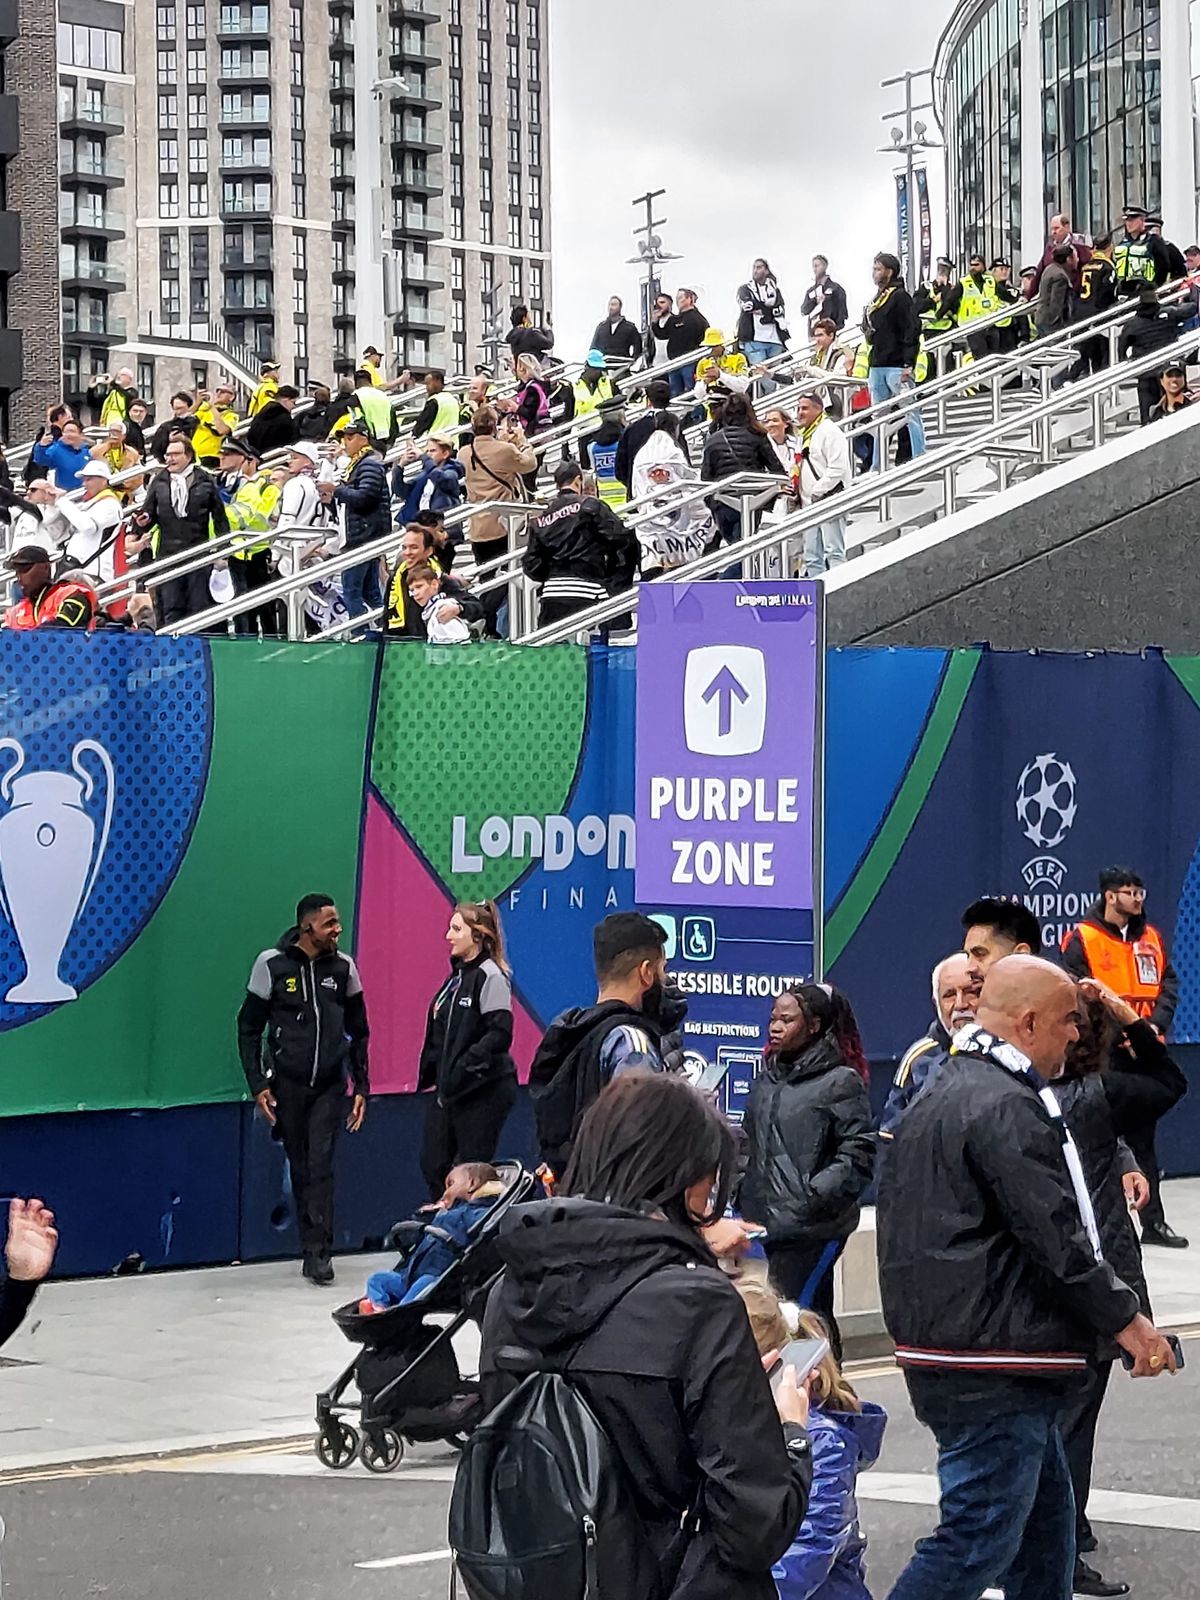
674	534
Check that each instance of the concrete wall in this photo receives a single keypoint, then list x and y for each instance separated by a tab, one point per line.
1097	554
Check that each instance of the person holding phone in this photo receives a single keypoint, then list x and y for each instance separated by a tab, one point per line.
826	1559
811	1145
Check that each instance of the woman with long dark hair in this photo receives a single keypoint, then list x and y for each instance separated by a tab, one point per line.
465	1060
737	442
1117	1077
614	1274
811	1147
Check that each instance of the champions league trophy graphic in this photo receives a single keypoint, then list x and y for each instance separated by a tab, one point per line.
49	859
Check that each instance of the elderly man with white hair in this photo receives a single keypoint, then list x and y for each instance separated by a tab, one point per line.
955	996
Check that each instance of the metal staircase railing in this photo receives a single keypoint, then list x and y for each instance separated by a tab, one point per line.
942	462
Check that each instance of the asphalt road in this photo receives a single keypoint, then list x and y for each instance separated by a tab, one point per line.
258	1527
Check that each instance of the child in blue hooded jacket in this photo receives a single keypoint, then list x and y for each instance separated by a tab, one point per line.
826	1558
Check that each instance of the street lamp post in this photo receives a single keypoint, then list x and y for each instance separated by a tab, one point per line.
650	251
906	141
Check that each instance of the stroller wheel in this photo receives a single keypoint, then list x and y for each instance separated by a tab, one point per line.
382	1451
337	1445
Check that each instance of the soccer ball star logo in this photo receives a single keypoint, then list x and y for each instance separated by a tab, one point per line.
1046	800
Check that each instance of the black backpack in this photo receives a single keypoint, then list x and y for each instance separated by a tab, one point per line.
541	1508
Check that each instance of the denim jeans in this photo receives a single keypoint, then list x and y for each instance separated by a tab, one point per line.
1008	1514
756	350
682	381
885	382
361	588
824	546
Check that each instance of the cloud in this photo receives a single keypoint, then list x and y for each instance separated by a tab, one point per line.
761	120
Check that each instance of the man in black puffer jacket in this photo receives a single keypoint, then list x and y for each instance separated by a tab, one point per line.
309	998
579	550
996	1291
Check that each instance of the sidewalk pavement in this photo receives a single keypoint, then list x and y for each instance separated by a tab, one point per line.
190	1361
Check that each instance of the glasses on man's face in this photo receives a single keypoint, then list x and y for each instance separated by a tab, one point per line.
1135	894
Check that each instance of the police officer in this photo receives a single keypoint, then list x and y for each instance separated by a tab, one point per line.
976	298
1140	256
1117	945
1176	265
1008	330
309	998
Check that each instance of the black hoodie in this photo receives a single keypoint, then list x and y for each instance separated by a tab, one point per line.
567	1072
673	1376
315	1016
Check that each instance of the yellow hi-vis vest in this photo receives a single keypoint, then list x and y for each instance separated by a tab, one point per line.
588	400
376	410
115	407
251	510
1133	261
448	417
266	392
976	301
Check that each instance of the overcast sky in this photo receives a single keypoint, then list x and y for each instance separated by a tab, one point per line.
760	118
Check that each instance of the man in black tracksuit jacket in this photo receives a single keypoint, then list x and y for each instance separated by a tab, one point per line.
309	997
996	1291
579	550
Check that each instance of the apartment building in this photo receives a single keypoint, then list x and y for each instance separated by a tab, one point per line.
296	179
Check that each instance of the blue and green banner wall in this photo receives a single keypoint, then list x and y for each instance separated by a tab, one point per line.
163	804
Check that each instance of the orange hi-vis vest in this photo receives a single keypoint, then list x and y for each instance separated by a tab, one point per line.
72	604
1132	968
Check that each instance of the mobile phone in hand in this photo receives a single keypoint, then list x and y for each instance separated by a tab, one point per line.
1128	1361
804	1355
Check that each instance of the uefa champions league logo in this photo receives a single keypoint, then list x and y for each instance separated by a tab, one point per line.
1046	808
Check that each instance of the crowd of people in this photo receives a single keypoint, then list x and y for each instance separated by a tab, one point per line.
301	479
1016	1185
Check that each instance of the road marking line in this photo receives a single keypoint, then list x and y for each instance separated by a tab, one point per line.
1105	1505
403	1561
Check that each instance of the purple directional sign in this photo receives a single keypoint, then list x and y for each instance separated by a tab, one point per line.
727	679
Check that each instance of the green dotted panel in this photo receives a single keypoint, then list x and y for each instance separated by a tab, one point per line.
477	731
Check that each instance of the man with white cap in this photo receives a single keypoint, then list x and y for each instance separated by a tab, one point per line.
93	522
301	510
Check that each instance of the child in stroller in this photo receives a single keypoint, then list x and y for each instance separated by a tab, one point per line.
436	1243
407	1372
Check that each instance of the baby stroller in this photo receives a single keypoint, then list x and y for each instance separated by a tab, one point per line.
407	1373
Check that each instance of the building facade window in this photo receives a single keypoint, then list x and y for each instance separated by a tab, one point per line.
168	155
168	198
97	48
168	250
198	197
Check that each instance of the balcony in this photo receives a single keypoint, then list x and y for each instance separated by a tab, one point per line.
243	261
341	84
416	133
89	115
245	116
416	178
418	319
234	308
344	269
418	224
12	360
341	8
80	166
98	329
10	141
342	133
245	70
233	206
258	161
255	23
419	275
413	50
10	242
83	274
341	41
413	11
94	222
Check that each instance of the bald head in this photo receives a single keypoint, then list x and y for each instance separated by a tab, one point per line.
1034	1006
955	991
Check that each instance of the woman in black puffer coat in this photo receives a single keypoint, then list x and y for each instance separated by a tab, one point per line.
1117	1077
811	1145
738	442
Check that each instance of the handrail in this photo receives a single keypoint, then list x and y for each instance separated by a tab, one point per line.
878	486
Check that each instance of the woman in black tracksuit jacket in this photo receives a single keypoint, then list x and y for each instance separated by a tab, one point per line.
466	1060
810	1144
1117	1078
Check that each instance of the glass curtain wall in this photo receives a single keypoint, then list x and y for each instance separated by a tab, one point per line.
983	136
1101	103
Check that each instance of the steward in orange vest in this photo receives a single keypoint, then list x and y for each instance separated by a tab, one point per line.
1118	946
46	604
